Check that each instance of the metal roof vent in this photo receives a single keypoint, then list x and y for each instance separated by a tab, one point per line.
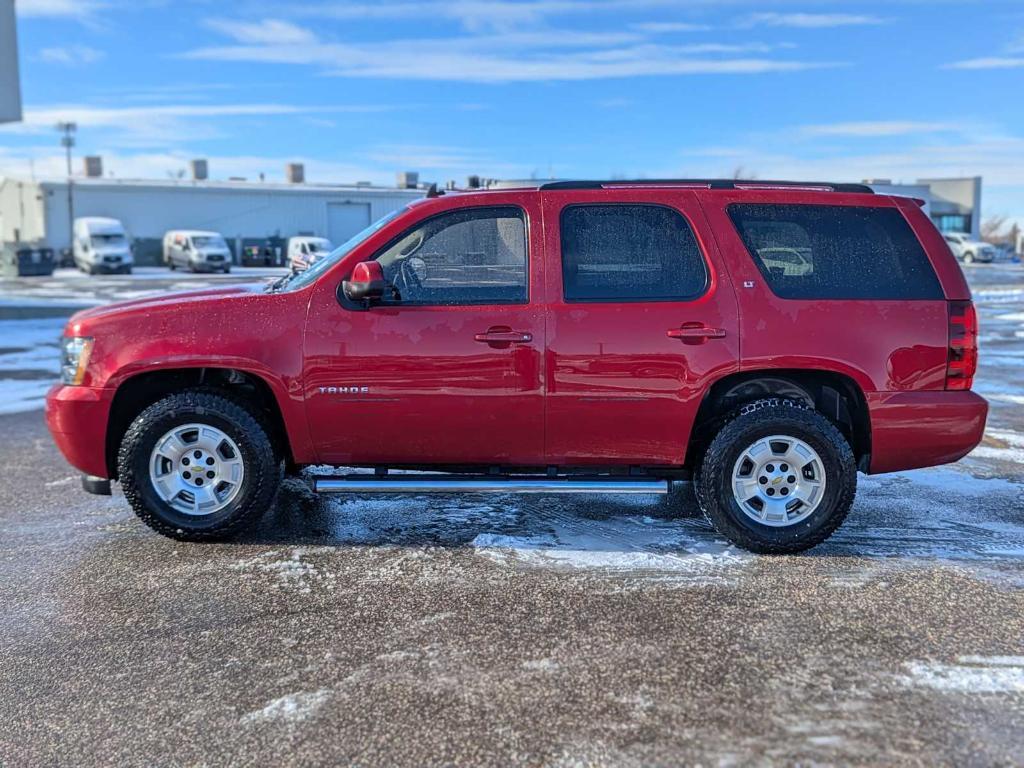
93	166
295	173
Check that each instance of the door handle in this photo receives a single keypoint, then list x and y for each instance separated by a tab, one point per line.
694	333
503	335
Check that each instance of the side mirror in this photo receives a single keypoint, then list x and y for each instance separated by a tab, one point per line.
367	282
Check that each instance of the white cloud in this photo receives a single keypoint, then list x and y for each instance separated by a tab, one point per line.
998	159
878	128
56	8
523	56
666	27
267	31
160	125
472	14
989	62
71	55
811	20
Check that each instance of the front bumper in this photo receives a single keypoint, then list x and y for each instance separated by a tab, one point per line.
77	418
210	266
910	430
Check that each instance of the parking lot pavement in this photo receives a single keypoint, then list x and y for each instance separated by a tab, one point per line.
496	630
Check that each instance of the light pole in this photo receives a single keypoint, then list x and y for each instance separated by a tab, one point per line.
67	140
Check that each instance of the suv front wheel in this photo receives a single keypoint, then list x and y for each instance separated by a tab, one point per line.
778	478
198	466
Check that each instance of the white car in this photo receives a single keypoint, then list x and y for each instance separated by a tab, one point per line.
304	252
100	244
196	251
968	250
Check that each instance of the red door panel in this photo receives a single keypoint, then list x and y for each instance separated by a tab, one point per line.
429	384
625	379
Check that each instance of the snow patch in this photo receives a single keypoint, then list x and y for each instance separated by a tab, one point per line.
970	674
292	571
675	549
293	708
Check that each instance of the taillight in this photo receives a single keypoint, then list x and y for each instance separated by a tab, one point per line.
962	360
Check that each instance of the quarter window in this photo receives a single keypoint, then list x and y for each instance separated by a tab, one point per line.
836	252
471	256
629	253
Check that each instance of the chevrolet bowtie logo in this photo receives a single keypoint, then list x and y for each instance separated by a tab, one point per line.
776	481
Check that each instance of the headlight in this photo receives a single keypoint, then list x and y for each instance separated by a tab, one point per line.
74	357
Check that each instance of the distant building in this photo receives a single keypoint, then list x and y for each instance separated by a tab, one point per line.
247	214
953	204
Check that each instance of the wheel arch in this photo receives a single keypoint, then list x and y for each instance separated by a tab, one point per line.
835	395
140	390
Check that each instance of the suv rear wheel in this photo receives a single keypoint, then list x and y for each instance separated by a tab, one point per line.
778	478
198	465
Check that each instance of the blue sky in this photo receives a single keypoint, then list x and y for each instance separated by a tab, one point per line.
360	89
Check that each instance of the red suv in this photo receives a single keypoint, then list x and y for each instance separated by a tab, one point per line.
765	339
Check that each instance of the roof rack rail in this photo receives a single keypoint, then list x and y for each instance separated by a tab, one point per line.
710	184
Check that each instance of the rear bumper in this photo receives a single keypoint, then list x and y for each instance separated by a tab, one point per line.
922	429
77	418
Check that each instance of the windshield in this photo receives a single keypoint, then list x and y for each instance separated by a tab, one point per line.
105	240
209	242
302	279
319	246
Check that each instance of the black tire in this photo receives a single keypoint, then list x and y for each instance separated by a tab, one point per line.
263	468
774	416
968	258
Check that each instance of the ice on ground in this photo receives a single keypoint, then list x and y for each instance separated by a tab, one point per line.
934	514
1006	398
1001	445
29	362
618	544
970	674
20	396
293	708
998	295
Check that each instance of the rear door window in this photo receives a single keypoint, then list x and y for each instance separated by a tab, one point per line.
836	252
629	253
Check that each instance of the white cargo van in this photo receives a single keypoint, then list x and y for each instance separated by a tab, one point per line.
304	252
100	244
197	251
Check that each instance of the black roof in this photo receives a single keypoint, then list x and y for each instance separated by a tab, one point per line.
711	184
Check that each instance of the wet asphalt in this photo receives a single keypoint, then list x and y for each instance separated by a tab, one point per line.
534	630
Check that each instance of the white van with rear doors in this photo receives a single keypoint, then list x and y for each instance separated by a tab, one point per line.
101	244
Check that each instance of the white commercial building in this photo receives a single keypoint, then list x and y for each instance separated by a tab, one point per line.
953	204
247	214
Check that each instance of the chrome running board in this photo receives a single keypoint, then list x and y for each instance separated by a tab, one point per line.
434	484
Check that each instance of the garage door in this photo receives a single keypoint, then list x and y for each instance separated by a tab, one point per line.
345	220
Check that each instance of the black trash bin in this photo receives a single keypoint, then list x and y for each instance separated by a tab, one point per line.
27	262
